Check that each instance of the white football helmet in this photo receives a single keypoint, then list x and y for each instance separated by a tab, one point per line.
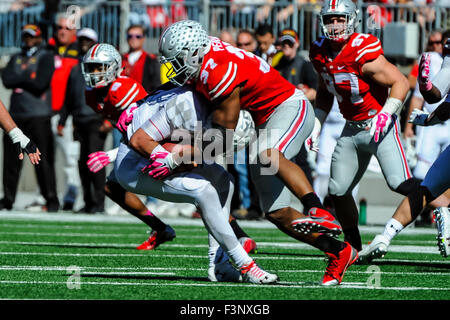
182	47
345	8
245	130
101	65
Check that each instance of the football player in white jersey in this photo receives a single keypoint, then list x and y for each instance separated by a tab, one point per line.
431	140
434	189
145	167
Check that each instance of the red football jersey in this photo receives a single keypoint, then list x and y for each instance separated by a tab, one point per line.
359	97
226	67
121	93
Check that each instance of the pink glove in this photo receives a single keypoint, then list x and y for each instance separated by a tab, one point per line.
161	165
97	161
125	118
424	73
379	125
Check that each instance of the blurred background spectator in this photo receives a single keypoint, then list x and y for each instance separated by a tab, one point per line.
28	74
88	129
66	51
246	40
266	40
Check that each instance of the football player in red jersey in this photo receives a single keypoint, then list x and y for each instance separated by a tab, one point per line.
232	79
352	68
110	94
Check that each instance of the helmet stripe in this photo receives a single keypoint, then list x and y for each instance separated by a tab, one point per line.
333	4
94	50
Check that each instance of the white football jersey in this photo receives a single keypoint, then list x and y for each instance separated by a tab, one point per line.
162	113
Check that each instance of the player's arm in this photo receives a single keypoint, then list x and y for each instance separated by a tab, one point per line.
388	75
146	142
227	113
433	91
21	141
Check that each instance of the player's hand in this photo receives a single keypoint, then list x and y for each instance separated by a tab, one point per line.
312	142
422	118
31	149
126	118
161	165
424	73
23	144
379	125
97	161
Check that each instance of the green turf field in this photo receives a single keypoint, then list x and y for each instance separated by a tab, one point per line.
95	258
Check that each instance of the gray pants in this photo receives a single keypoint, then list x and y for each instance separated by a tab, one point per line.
352	155
287	129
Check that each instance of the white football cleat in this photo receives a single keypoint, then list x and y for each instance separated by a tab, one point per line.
224	272
443	226
253	274
376	249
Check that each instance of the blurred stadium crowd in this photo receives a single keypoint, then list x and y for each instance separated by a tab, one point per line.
55	114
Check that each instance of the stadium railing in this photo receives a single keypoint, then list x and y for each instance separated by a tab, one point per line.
110	18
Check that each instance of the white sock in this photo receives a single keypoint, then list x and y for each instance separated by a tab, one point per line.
239	256
393	227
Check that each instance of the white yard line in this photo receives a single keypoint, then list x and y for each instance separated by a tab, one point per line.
126	270
282	285
284	245
68	217
158	255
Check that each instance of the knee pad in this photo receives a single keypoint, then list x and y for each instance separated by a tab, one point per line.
407	187
416	198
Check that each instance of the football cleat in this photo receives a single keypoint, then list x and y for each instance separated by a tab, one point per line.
318	220
157	238
253	274
376	249
224	272
337	265
248	244
442	216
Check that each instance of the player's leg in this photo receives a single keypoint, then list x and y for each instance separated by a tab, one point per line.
348	165
391	156
275	200
288	127
130	202
210	188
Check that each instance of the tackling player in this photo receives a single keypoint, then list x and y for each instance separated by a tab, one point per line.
232	79
110	95
152	170
352	69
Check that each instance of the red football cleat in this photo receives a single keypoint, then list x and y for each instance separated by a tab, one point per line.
337	265
156	238
248	244
318	221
